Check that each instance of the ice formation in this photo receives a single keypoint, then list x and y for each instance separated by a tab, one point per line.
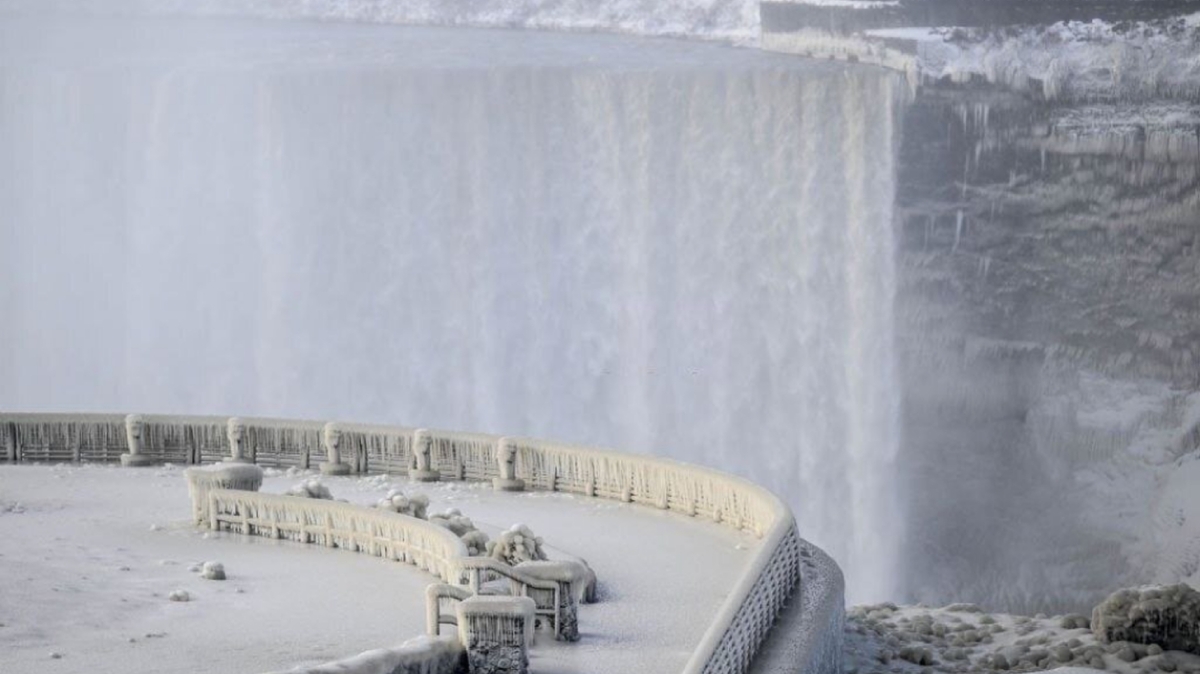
423	469
494	630
517	545
506	461
310	488
332	437
1163	616
422	655
964	638
416	505
212	571
476	541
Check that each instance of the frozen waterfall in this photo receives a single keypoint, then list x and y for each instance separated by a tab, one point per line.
658	246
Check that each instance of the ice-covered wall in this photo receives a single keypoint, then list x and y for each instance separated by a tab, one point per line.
671	247
1049	335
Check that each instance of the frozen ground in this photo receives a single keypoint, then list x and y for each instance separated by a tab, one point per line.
962	638
91	554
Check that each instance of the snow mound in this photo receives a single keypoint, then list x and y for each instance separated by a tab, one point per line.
179	595
213	571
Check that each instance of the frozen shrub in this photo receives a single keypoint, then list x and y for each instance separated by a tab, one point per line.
517	545
310	488
416	505
475	540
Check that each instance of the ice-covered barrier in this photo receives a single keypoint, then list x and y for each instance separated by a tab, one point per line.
203	480
742	624
423	655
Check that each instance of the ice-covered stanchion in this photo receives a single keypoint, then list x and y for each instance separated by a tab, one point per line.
441	601
506	460
571	577
235	430
496	631
333	465
203	479
422	469
135	431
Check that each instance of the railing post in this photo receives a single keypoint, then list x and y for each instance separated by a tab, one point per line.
135	432
570	580
506	462
10	442
495	632
423	469
235	431
333	465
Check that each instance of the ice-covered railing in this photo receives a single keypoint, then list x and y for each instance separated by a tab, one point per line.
377	532
728	646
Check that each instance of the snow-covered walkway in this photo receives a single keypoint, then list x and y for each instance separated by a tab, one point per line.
89	555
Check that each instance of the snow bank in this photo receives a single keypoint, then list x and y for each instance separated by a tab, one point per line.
1070	60
423	655
733	21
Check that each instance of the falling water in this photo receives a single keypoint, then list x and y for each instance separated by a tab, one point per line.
659	246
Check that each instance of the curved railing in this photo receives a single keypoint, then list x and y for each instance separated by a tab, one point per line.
727	647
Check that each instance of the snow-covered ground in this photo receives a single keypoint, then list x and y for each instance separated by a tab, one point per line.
963	638
725	20
1069	59
92	553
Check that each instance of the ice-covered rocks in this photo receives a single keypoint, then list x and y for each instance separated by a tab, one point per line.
887	638
310	488
518	544
212	571
416	505
1167	616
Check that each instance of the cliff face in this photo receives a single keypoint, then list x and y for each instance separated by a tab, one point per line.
1049	332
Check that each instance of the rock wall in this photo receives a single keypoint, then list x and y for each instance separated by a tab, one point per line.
1049	332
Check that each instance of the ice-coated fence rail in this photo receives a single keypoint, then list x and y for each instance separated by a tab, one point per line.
380	533
729	646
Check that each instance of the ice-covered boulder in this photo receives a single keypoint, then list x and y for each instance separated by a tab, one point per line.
1165	615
